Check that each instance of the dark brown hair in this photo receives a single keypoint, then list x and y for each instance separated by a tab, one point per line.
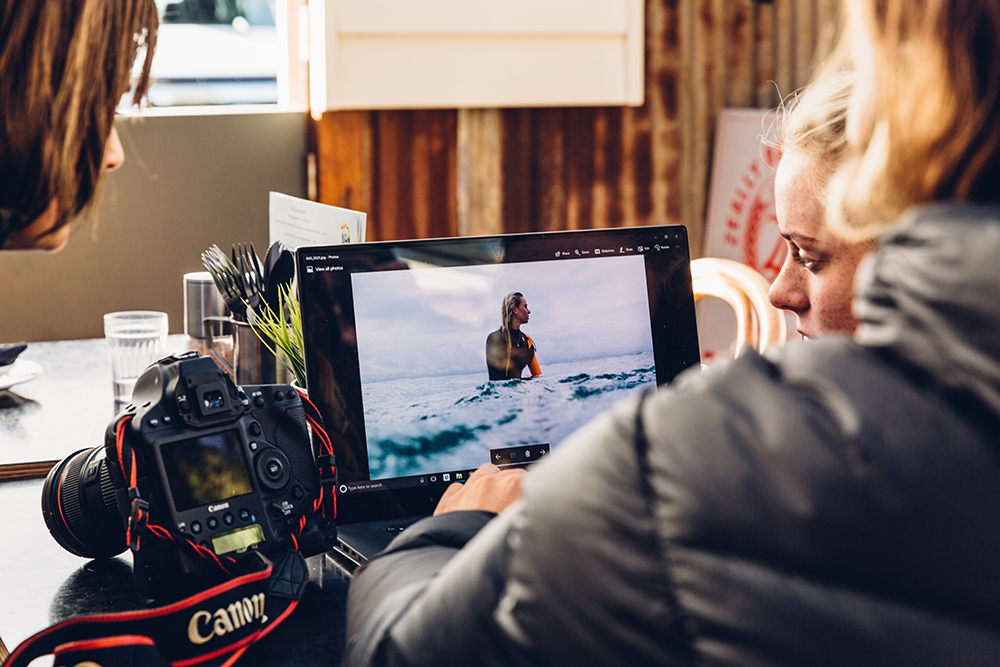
64	66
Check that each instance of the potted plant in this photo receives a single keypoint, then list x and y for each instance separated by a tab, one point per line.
282	334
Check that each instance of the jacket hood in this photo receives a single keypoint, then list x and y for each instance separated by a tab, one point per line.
932	294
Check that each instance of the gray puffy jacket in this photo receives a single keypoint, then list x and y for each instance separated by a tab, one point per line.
835	503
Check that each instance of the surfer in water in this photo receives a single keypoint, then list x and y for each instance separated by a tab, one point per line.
508	349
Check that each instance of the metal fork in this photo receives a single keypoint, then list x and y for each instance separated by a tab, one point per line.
227	280
248	265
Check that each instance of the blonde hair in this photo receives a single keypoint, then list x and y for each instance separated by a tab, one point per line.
813	121
511	302
64	66
934	134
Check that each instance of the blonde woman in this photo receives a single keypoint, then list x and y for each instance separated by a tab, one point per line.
831	504
816	281
508	349
64	67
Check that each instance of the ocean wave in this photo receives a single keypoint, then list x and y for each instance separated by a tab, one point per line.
428	425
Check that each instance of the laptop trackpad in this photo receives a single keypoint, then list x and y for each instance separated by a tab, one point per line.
361	541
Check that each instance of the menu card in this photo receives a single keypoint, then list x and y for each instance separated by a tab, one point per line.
296	222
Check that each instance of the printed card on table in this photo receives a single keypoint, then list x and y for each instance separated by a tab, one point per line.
297	222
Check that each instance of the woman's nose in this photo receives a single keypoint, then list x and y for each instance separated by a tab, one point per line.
787	291
114	154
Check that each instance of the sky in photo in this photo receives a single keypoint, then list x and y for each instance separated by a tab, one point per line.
427	322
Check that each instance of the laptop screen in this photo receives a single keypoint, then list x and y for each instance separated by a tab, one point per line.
430	358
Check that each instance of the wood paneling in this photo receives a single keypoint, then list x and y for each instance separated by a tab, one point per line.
398	166
445	172
479	178
344	160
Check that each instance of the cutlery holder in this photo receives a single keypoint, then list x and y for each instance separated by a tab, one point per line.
253	363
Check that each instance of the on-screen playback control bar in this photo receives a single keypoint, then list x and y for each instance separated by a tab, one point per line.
518	457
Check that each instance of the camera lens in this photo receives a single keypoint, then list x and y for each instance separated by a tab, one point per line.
79	507
272	469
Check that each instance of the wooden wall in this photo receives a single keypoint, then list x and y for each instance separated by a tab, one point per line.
424	173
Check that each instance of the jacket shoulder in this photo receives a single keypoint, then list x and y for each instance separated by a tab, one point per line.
822	479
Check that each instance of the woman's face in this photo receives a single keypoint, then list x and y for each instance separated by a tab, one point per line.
816	281
36	236
521	313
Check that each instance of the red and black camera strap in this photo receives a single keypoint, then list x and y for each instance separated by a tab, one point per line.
212	628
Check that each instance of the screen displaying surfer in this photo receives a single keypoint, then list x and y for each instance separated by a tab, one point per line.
508	349
427	405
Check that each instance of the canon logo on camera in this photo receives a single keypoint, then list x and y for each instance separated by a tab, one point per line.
220	506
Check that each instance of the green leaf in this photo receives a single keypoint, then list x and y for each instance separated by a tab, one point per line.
283	334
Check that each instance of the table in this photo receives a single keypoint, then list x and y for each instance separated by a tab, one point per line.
65	409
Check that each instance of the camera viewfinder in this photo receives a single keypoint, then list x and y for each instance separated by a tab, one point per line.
212	400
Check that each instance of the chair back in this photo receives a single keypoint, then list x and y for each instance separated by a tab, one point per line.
758	323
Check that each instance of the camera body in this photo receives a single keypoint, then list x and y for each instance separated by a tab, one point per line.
228	468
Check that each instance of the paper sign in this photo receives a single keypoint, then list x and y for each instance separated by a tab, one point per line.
296	222
741	222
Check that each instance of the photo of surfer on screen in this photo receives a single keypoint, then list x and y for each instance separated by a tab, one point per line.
508	349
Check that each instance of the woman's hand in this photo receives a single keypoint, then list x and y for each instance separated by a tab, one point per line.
489	488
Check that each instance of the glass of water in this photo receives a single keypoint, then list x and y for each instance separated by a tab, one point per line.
136	339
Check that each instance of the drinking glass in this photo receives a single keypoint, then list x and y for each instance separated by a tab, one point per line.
136	339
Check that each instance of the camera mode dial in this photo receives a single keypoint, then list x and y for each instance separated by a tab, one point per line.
273	469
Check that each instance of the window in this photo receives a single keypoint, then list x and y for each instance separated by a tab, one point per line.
215	52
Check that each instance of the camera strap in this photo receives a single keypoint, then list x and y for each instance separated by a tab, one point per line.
212	628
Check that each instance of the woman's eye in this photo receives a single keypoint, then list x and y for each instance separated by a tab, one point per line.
808	263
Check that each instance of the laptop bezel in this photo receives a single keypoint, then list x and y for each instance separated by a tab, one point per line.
509	248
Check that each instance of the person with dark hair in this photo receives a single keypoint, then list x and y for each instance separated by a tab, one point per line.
508	349
834	503
64	67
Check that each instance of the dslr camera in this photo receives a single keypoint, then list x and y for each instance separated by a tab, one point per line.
194	470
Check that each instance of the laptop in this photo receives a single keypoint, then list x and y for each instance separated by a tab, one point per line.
399	337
